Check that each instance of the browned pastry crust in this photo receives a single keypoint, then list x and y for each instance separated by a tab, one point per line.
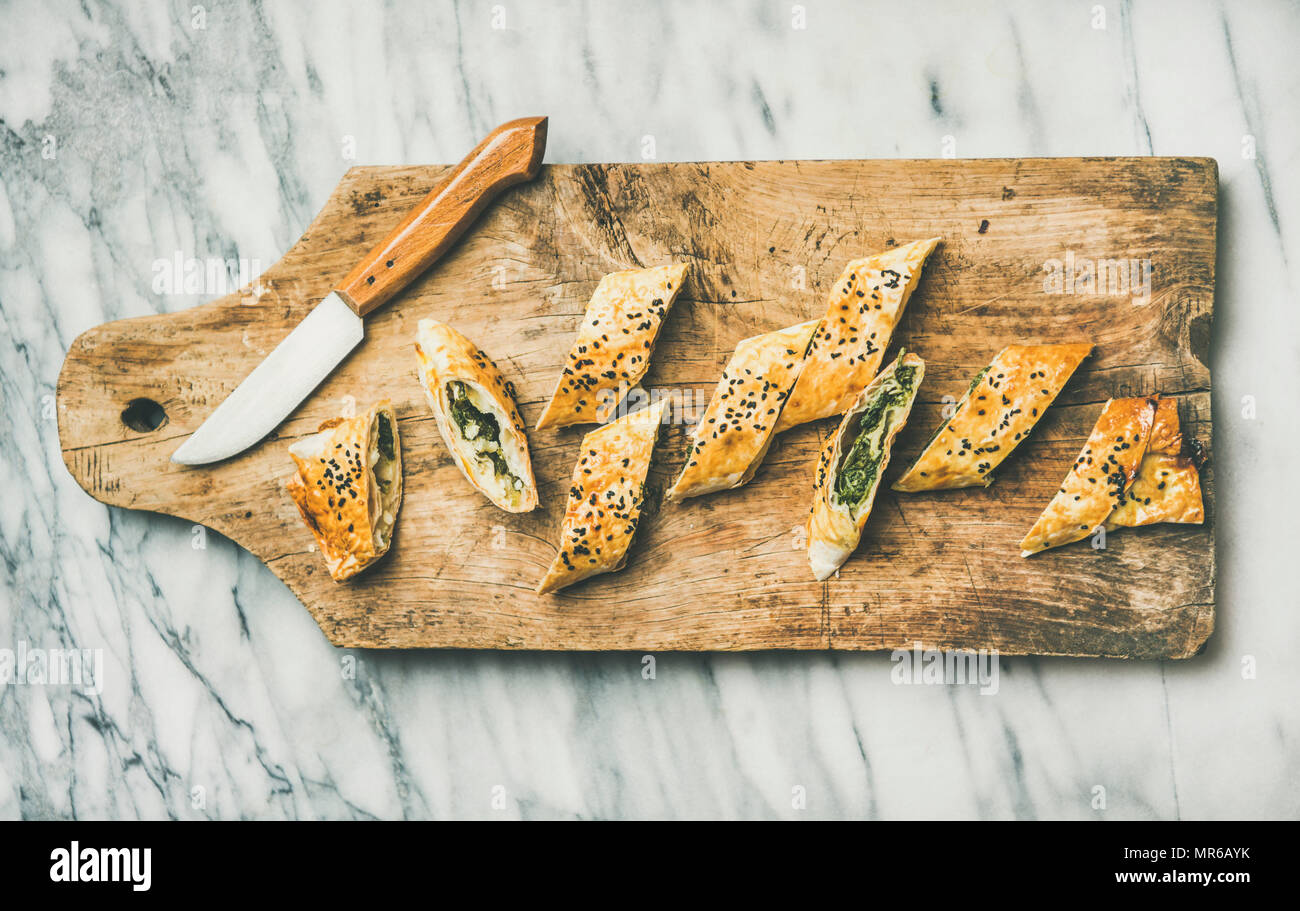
348	490
729	442
998	411
864	306
614	344
447	358
1168	485
835	528
1099	477
605	498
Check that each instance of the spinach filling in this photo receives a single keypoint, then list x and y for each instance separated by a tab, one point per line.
498	463
480	430
386	438
473	424
383	468
858	472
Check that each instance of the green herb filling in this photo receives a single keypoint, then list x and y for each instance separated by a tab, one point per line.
386	448
482	432
859	471
473	424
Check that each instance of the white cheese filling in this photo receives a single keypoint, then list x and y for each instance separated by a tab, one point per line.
477	448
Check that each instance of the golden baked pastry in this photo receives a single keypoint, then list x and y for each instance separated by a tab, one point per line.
730	440
854	460
1168	485
864	306
1003	403
1100	476
474	407
348	487
614	344
605	498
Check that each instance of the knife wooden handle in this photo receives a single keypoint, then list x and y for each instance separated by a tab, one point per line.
511	154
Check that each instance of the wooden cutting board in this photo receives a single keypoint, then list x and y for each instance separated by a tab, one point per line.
764	240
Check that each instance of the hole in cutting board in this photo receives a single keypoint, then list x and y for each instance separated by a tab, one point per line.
144	415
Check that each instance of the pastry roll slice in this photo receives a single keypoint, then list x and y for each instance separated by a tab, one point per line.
605	498
853	461
474	406
348	487
1098	478
614	344
1003	403
865	305
730	440
1168	485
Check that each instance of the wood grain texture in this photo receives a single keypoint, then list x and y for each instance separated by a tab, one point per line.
764	240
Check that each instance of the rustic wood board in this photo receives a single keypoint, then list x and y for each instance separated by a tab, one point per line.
765	239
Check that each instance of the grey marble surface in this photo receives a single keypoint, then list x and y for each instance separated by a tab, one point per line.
131	132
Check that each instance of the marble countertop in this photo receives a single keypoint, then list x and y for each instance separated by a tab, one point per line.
133	132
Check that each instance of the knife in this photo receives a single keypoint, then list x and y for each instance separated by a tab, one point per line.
511	154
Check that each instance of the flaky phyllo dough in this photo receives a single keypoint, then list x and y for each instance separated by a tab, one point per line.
605	498
865	305
474	407
853	461
1099	478
730	440
1002	405
1168	485
348	487
614	344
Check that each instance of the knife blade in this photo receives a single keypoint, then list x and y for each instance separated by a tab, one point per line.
511	154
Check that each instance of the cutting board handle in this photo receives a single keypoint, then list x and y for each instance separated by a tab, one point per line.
511	154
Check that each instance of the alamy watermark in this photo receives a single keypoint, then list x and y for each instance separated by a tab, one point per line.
210	276
685	406
1107	276
23	666
937	667
75	864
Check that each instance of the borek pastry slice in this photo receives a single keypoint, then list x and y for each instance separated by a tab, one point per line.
1003	403
1099	477
853	461
605	498
614	344
865	305
474	407
729	442
348	487
1168	484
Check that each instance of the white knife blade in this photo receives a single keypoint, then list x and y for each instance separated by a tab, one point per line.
277	385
